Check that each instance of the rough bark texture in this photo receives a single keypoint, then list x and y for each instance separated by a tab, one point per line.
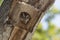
4	9
19	18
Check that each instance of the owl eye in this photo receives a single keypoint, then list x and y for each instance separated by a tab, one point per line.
24	17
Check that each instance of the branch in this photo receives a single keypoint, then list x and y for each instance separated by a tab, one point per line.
21	18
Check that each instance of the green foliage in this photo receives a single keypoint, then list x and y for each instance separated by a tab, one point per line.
1	2
54	10
41	34
58	31
51	29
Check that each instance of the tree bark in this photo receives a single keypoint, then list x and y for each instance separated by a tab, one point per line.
19	18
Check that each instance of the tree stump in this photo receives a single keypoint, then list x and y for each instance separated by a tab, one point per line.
19	18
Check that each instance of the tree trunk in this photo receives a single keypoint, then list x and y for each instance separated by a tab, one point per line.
19	18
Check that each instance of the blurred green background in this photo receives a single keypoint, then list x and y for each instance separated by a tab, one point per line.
49	27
